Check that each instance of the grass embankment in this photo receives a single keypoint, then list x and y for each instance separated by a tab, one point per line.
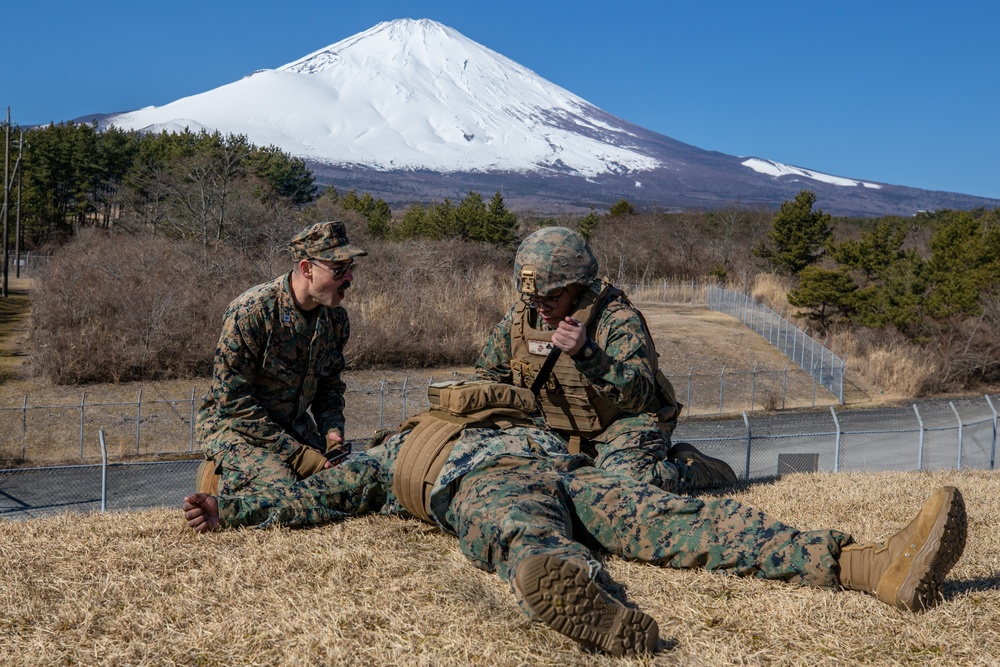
142	589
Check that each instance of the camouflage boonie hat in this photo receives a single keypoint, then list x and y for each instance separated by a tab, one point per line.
552	258
324	240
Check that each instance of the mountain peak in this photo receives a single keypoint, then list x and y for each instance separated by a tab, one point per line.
391	36
413	99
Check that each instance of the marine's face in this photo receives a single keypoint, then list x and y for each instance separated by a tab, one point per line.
553	309
329	284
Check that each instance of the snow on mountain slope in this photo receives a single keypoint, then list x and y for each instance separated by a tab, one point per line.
772	168
409	94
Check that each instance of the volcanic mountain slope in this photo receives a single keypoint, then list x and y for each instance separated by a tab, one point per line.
411	110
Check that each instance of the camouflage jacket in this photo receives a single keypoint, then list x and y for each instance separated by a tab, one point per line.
276	381
349	487
621	373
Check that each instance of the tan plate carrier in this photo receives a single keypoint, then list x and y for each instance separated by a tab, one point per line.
454	407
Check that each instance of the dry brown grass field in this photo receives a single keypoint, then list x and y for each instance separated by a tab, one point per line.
142	589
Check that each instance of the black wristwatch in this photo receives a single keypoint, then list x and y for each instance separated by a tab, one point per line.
586	352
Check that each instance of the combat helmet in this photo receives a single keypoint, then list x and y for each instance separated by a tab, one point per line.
551	259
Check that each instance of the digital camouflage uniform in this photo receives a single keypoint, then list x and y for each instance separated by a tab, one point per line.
276	382
621	372
513	493
621	368
524	507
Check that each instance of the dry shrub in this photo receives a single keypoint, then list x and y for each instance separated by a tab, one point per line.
427	303
888	362
114	309
772	289
130	307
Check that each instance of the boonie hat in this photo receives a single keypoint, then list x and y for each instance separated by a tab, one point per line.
324	240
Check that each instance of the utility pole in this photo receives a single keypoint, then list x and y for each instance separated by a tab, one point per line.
19	168
6	199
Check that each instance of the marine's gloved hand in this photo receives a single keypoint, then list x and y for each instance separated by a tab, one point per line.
336	448
308	461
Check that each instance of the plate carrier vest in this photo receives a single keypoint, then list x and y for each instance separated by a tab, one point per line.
455	406
568	400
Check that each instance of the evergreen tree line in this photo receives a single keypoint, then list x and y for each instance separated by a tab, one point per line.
186	184
471	219
933	279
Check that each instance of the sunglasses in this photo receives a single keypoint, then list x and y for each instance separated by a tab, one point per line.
339	272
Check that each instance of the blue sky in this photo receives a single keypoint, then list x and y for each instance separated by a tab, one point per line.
902	92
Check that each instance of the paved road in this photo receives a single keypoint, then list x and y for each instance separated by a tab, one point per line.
134	486
871	439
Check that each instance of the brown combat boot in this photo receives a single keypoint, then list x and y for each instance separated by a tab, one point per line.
907	569
562	594
205	479
704	472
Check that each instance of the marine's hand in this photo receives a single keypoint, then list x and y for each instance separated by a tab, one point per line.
336	448
201	511
570	336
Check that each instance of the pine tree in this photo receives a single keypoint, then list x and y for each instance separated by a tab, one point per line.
588	224
621	208
798	235
826	295
501	222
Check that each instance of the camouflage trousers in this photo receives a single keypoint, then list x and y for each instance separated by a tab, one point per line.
244	468
516	508
641	455
356	486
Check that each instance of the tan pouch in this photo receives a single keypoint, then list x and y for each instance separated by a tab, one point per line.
466	397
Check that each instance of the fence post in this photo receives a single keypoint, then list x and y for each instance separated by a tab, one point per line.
920	440
722	387
993	446
191	435
83	410
381	401
104	471
746	469
405	380
843	371
24	426
690	373
138	421
784	385
958	464
795	342
836	446
753	387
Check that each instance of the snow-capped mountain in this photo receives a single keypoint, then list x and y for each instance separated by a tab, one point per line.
408	95
412	110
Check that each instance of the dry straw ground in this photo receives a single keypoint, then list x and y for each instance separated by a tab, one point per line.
141	589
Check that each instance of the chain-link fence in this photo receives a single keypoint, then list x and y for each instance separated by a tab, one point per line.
934	435
809	354
814	358
36	435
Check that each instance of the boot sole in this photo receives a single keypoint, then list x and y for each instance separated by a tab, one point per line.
720	469
562	594
921	588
